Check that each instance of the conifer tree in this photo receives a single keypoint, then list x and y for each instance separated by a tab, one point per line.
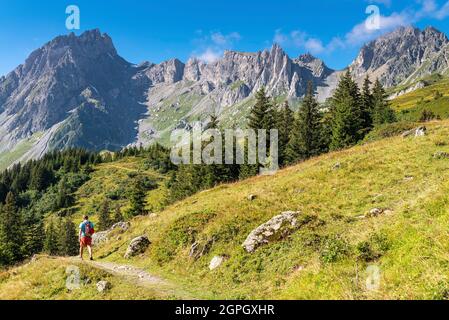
104	216
34	236
51	240
305	140
382	112
136	196
11	231
262	117
367	106
118	216
284	124
346	114
68	238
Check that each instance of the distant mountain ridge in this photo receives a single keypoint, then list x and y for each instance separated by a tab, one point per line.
77	90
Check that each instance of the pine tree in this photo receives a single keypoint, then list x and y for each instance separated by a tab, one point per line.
367	106
104	217
136	196
346	114
216	173
63	199
382	112
118	216
11	232
305	140
68	238
262	115
51	240
284	124
34	236
40	178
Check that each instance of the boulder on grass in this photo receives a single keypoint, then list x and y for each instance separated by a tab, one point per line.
441	155
216	262
252	197
137	246
101	237
103	286
275	229
199	249
418	132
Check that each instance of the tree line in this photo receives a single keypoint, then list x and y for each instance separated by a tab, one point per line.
30	191
348	116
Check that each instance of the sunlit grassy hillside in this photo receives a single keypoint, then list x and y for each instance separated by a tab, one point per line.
411	105
331	256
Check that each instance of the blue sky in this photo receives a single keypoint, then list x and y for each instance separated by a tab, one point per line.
159	30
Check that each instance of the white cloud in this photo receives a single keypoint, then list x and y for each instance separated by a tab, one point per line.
225	40
386	3
210	56
443	12
314	46
210	47
362	32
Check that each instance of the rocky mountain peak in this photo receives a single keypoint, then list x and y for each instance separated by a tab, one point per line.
393	57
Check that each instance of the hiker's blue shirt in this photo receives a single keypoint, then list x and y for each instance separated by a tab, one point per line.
83	227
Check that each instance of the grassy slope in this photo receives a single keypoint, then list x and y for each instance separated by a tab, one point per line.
374	175
412	104
8	158
415	265
110	177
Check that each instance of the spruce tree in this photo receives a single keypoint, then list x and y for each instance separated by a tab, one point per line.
68	238
346	114
118	216
11	231
305	140
104	216
382	112
51	240
367	106
34	236
262	117
284	124
136	197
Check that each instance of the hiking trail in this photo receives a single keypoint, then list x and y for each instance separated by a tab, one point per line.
139	277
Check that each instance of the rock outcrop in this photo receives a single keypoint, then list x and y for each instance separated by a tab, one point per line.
137	246
441	155
103	236
103	286
275	229
216	262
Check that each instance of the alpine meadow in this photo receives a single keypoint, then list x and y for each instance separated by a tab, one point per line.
335	185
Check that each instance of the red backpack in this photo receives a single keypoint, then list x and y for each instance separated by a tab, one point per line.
88	229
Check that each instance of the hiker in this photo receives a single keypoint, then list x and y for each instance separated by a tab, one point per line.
86	232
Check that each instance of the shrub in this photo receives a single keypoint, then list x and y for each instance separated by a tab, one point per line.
388	130
427	115
334	249
376	246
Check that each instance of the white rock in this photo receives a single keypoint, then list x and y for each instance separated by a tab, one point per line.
216	262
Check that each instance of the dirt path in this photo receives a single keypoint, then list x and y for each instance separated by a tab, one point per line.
141	278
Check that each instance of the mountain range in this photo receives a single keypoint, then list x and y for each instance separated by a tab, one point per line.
76	91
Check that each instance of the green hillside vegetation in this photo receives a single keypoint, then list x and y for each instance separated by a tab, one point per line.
434	97
329	256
